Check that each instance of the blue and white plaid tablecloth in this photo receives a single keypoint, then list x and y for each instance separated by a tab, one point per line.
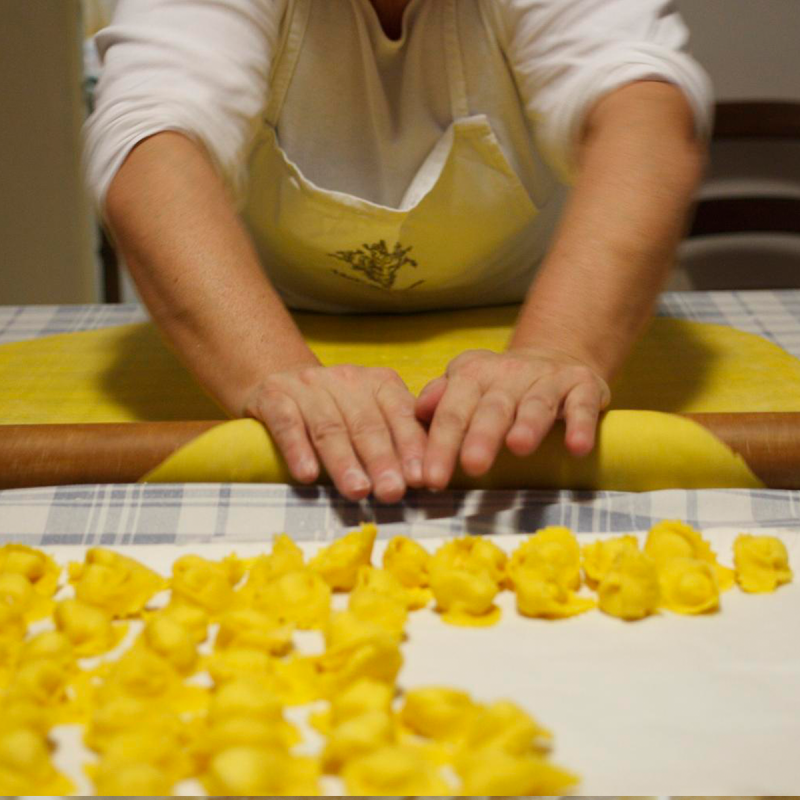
195	513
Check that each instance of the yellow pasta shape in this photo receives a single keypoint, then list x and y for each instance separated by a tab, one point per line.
361	697
88	628
298	598
190	617
249	628
164	635
465	598
472	554
254	771
358	649
398	770
25	766
356	737
542	592
23	713
688	586
115	583
630	589
503	725
388	611
285	557
144	674
203	583
162	749
39	568
12	622
120	713
237	662
555	547
245	696
674	539
499	773
761	562
408	561
598	557
130	780
298	680
338	563
17	590
437	712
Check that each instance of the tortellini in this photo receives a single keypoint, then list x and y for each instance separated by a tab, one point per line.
206	584
761	562
599	556
299	598
17	591
25	765
249	628
117	584
153	722
471	554
554	549
465	597
177	644
497	773
358	649
688	586
338	563
248	770
674	539
34	565
505	726
630	588
408	561
542	592
89	628
398	770
437	712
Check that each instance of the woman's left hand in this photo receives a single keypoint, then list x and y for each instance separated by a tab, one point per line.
485	399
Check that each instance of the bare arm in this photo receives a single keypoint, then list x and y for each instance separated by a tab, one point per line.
197	271
639	166
199	274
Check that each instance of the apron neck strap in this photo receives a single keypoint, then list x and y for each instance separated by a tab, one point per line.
455	64
285	60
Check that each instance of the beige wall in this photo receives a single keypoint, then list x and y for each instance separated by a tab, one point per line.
46	238
751	48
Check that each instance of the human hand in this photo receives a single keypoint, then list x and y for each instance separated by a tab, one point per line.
358	421
487	398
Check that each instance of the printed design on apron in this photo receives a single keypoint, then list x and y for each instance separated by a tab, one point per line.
377	263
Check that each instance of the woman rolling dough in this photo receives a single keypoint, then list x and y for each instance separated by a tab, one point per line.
392	156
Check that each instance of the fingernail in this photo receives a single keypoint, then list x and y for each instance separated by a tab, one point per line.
356	480
438	477
414	470
307	470
390	482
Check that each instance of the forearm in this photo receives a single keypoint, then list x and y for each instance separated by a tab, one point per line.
197	271
639	165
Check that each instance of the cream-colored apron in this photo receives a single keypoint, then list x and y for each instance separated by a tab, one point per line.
463	233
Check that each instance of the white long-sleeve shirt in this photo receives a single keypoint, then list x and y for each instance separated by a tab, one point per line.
202	67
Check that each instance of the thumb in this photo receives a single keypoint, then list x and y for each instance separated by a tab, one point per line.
429	398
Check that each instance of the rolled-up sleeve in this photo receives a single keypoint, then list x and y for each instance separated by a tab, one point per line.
567	54
199	67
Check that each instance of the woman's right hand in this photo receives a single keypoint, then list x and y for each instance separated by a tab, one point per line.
359	422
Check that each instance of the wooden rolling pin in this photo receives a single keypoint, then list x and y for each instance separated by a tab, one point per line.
53	455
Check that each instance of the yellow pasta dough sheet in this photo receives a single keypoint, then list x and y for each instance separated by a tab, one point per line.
677	704
127	374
